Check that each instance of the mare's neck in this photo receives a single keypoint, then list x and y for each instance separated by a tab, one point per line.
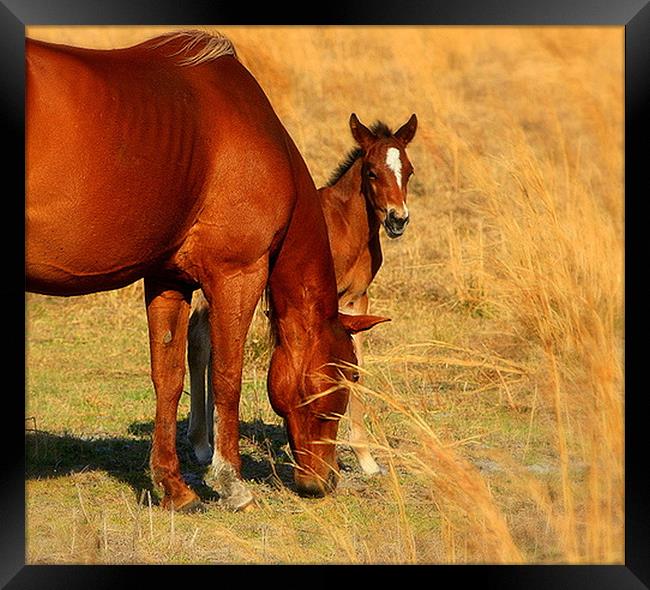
302	283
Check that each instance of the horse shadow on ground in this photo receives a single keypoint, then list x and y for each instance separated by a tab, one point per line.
264	457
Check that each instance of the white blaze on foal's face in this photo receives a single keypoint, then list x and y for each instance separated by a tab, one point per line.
394	162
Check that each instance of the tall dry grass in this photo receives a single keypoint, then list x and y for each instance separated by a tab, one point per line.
564	278
518	226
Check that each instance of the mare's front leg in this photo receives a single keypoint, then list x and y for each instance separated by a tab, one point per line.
358	434
233	296
168	309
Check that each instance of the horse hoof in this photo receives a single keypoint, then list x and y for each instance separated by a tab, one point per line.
241	500
370	468
239	504
194	507
203	455
378	472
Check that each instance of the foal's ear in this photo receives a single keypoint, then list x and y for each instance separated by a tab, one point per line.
363	136
360	323
407	131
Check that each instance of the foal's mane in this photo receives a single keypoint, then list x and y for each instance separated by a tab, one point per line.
197	47
380	129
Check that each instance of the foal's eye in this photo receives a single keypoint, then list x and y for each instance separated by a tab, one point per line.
355	377
371	175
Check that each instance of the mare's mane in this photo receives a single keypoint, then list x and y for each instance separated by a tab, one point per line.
197	46
380	129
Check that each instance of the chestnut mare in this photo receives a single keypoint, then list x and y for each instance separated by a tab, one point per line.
367	190
165	161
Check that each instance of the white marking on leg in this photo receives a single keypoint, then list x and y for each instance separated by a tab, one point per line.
234	493
367	463
394	162
218	466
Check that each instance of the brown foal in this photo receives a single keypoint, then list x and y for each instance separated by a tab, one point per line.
366	191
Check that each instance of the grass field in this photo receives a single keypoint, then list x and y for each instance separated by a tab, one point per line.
495	396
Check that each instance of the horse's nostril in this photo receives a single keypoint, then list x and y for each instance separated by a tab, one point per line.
396	221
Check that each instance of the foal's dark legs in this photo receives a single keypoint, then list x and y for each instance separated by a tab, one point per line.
200	431
358	433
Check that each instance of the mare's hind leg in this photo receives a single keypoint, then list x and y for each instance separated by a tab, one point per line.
232	296
358	434
199	431
168	309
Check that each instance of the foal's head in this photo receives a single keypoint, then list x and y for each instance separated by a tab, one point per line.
386	170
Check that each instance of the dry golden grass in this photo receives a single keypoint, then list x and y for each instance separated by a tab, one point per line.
495	397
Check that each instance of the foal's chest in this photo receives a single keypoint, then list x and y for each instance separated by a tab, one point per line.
354	281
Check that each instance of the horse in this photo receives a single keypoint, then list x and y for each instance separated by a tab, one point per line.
166	162
366	191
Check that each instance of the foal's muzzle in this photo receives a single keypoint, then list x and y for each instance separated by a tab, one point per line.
394	224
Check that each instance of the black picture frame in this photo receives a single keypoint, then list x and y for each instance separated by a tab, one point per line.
634	15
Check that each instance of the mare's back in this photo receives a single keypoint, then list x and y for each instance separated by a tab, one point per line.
124	146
